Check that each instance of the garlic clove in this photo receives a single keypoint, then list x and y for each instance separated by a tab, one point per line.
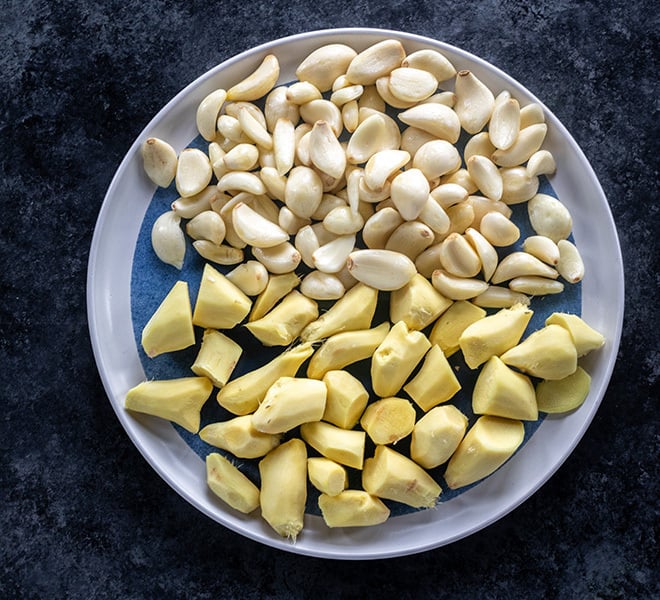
168	240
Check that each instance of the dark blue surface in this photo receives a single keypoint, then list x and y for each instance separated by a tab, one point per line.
83	515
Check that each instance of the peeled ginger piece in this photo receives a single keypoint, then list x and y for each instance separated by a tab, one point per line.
352	508
229	484
563	395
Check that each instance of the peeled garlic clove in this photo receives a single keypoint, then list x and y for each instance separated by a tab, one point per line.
168	240
487	253
221	254
434	216
274	183
306	243
254	129
486	175
251	277
284	145
504	124
346	94
322	286
541	163
383	165
410	238
410	191
328	202
521	264
436	158
242	181
448	194
461	216
159	161
481	205
529	140
207	225
258	83
437	119
325	64
457	288
518	185
350	116
432	61
462	178
255	229
230	129
208	112
331	257
478	144
536	286
383	88
277	106
543	248
428	261
458	257
371	99
322	110
325	151
302	92
500	297
549	217
187	208
193	172
371	136
366	194
531	114
376	61
570	265
343	221
381	269
413	138
289	222
279	259
474	101
446	98
379	227
498	229
303	191
241	157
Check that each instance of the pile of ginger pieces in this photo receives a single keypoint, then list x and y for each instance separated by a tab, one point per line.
319	197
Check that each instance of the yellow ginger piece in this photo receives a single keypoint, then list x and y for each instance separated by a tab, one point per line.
283	474
170	328
277	287
452	323
489	443
283	324
436	436
563	395
239	437
548	353
434	383
345	446
502	392
177	400
220	304
228	483
242	395
417	303
395	359
326	475
346	401
585	337
352	508
388	420
493	335
393	476
217	357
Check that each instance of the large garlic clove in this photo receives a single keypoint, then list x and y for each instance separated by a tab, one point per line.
518	185
432	61
543	248
254	229
258	83
549	217
241	157
409	192
251	277
343	221
221	254
570	265
478	144
521	264
242	181
498	229
504	124
303	191
410	238
159	161
474	101
325	151
168	240
379	227
279	259
325	64
381	269
486	175
207	225
531	114
457	288
436	158
458	257
376	61
529	140
331	257
208	112
541	163
381	166
303	92
322	286
448	194
322	110
193	172
277	106
437	119
372	135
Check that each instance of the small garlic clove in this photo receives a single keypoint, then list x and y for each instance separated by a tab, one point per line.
277	106
187	208
521	264
306	243
504	124
221	254
536	286
366	194
486	176
207	225
322	110
241	157
518	185
487	253
447	98
436	158
193	172
303	191
383	88
381	166
437	119
543	248
371	99
347	94
541	163
432	61
325	64
208	112
410	238
570	265
378	228
274	183
448	194
325	151
529	140
409	192
461	216
458	257
549	217
254	229
331	257
500	297
303	157
434	216
474	101
457	288
284	145
328	202
251	277
302	92
258	83
531	114
350	116
241	181
322	286
481	205
343	221
230	129
283	258
381	269
168	240
370	136
254	129
376	61
289	222
462	178
498	229
478	144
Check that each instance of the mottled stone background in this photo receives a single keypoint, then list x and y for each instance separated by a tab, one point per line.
82	515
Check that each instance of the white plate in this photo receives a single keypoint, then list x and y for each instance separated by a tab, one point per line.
116	352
